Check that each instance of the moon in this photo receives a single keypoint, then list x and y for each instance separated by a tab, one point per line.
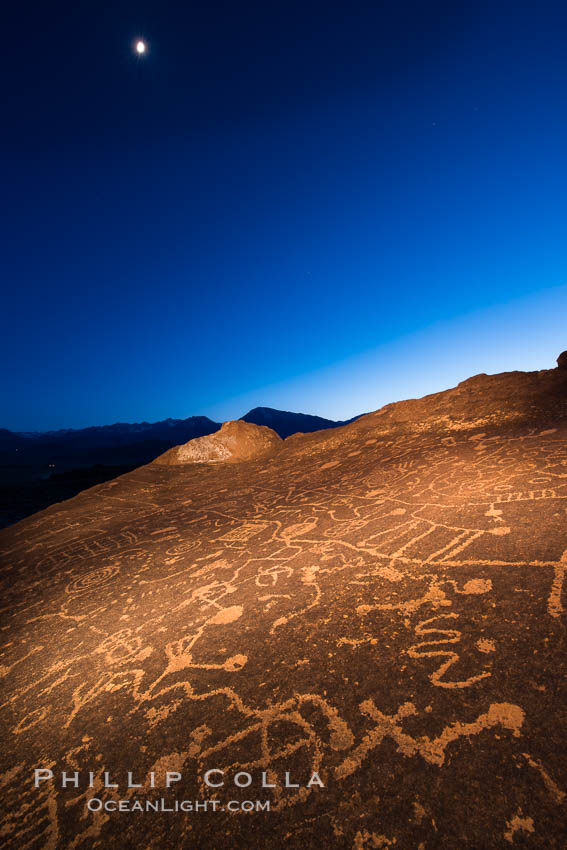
141	47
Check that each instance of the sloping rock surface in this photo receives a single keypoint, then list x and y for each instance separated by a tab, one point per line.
484	400
381	605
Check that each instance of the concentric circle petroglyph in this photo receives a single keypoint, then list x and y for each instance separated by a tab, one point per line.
93	579
121	647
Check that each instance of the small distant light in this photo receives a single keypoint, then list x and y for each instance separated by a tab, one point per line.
140	47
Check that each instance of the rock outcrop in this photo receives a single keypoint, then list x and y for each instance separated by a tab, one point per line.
236	441
482	401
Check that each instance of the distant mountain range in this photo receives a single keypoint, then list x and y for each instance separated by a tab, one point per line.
119	443
131	444
285	423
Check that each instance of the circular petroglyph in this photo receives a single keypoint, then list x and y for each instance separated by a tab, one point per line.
94	578
120	647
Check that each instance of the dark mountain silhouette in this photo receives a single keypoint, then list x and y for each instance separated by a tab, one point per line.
107	444
285	423
136	443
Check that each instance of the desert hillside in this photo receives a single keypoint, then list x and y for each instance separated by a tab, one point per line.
378	609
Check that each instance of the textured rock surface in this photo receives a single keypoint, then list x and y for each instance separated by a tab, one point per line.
236	441
383	604
483	400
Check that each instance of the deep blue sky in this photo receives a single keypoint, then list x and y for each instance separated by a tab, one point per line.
274	190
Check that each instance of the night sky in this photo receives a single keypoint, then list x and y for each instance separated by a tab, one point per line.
310	206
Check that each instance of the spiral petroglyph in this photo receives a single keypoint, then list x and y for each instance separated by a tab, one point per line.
90	580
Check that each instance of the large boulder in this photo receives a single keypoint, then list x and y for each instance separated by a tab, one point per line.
562	361
236	441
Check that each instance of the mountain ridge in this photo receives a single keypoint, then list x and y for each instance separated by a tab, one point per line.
198	422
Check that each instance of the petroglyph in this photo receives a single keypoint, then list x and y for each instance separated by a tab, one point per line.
432	750
558	795
518	823
421	650
554	603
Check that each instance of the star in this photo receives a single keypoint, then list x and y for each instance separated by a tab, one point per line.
141	47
